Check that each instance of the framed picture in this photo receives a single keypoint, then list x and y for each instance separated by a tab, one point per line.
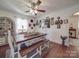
61	21
72	33
65	21
52	21
47	22
29	25
37	23
58	26
40	23
34	25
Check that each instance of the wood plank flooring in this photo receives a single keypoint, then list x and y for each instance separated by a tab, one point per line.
56	51
3	51
59	51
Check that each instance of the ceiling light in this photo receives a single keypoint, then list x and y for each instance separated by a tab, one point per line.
77	13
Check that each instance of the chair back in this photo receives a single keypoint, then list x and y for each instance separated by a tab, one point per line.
10	42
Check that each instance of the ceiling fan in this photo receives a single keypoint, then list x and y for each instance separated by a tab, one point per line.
34	7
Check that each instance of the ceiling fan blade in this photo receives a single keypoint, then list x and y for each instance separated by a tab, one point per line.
41	10
27	11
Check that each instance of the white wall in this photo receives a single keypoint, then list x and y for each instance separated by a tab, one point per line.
66	12
34	28
74	42
54	33
14	18
74	20
21	25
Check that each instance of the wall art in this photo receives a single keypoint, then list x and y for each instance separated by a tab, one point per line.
29	25
47	22
65	21
58	23
34	25
37	23
61	21
31	20
52	21
72	33
40	23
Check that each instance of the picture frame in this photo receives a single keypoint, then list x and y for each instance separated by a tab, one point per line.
72	33
29	25
61	21
52	21
40	23
47	22
58	26
37	23
34	25
65	21
44	25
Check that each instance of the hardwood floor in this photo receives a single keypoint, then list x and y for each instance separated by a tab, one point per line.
3	51
59	51
56	51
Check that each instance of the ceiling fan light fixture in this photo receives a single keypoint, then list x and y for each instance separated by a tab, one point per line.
31	11
34	8
36	11
77	13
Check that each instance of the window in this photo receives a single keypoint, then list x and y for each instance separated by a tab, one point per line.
21	25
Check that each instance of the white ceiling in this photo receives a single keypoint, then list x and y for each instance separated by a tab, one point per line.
19	6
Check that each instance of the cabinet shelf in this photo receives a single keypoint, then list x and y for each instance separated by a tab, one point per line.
5	24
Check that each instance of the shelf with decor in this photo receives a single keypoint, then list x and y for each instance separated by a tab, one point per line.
5	24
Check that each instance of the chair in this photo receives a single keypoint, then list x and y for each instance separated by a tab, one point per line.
14	50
